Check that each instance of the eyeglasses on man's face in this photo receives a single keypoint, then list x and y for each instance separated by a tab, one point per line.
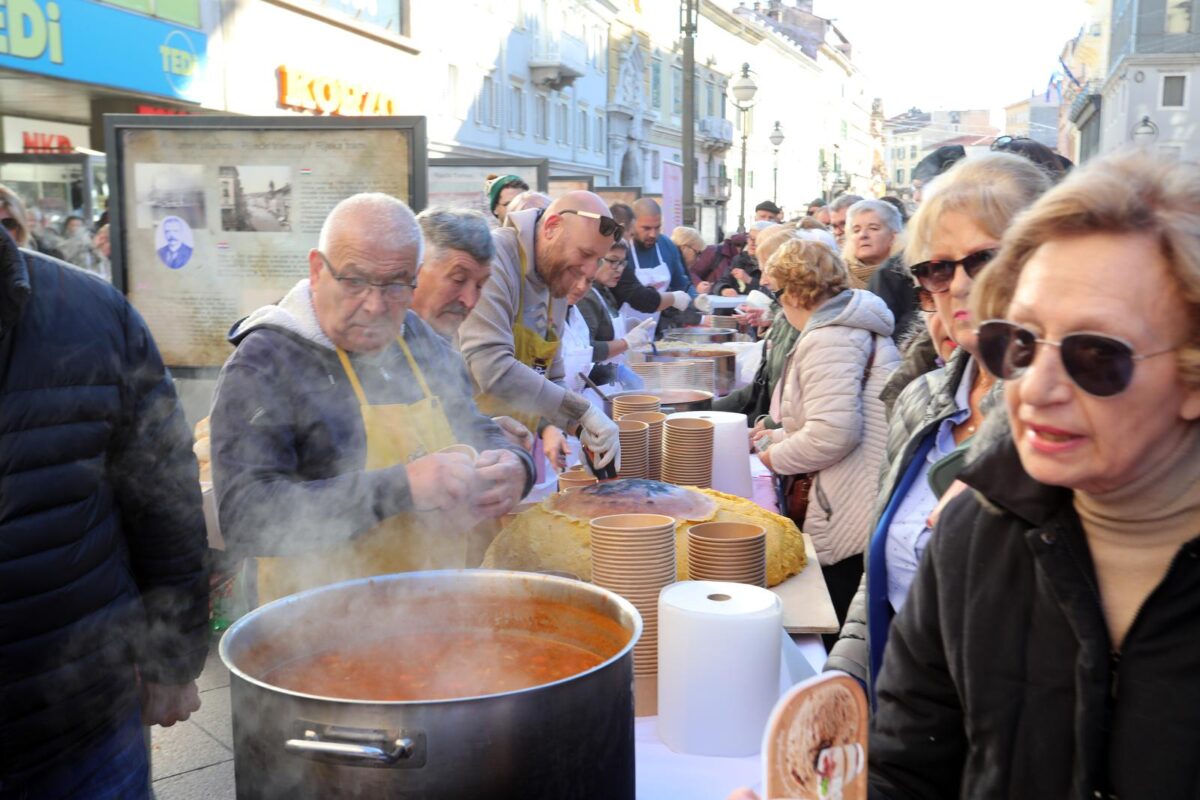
355	287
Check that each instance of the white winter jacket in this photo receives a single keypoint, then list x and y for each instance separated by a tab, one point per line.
834	423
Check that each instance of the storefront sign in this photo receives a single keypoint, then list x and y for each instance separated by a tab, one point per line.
23	135
304	91
80	40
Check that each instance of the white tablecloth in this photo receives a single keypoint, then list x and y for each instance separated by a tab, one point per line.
663	774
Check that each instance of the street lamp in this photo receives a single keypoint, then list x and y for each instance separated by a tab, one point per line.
776	138
1145	132
744	89
823	170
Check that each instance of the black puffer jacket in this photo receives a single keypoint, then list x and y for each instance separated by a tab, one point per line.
999	679
101	530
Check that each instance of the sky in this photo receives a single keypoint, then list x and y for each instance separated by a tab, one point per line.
956	54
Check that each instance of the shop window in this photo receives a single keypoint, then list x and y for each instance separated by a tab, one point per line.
541	117
564	124
1174	91
483	104
388	15
184	12
1179	16
516	110
676	91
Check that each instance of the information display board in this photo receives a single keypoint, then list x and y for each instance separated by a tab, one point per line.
213	216
563	184
458	182
619	194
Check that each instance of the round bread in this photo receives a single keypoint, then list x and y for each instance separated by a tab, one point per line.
556	535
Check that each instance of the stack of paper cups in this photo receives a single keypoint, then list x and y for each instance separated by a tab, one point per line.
731	450
718	666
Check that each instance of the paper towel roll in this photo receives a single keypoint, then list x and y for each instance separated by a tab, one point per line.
731	449
718	666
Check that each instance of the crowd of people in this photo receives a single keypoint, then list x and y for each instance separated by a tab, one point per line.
984	408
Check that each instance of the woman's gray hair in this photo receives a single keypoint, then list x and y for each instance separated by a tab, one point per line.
887	213
458	229
390	221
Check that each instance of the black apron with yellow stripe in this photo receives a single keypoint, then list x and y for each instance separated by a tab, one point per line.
396	433
531	349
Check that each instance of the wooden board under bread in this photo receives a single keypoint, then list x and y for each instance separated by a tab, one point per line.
806	604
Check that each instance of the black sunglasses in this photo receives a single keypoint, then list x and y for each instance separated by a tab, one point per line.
10	224
1100	365
608	225
936	275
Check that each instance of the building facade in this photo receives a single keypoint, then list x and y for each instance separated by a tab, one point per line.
1150	95
1035	117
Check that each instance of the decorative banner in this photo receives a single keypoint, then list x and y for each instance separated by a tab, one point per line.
672	196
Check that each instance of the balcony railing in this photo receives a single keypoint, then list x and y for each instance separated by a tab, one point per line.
717	130
556	63
717	188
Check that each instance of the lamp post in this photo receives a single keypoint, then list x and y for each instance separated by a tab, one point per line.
1145	132
776	138
824	172
744	89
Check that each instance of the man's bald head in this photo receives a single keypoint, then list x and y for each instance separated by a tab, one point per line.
647	222
569	244
647	207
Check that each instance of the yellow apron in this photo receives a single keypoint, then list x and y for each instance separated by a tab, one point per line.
396	433
529	348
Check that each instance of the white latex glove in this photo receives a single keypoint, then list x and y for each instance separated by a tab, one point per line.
681	300
600	435
642	335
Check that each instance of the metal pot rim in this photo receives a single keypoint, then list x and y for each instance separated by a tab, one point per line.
248	619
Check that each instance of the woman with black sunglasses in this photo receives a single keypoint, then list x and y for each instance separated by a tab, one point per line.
951	239
1049	647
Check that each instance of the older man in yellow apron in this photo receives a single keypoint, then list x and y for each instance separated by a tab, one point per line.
330	415
511	341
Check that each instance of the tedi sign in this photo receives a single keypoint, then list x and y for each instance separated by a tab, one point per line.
308	92
97	43
30	30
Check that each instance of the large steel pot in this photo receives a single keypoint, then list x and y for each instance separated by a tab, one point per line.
724	365
568	739
672	400
701	335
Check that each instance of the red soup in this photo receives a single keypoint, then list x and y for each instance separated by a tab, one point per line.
434	666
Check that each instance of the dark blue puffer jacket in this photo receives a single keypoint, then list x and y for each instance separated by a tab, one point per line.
101	531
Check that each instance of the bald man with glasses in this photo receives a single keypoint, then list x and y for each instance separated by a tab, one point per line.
511	341
331	416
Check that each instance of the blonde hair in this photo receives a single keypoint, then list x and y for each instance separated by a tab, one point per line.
808	272
12	202
990	189
683	235
1131	193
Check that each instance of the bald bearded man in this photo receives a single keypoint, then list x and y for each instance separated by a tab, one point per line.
511	340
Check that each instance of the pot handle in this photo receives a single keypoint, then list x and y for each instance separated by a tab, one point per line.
382	750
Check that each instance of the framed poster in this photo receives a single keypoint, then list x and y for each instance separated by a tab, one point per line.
213	216
561	184
619	194
458	182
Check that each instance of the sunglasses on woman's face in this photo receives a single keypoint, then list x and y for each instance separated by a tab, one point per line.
608	225
936	275
1100	365
10	224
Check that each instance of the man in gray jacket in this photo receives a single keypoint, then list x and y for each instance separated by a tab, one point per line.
511	340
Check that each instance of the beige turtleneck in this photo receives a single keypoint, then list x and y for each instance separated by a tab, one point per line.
1135	531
